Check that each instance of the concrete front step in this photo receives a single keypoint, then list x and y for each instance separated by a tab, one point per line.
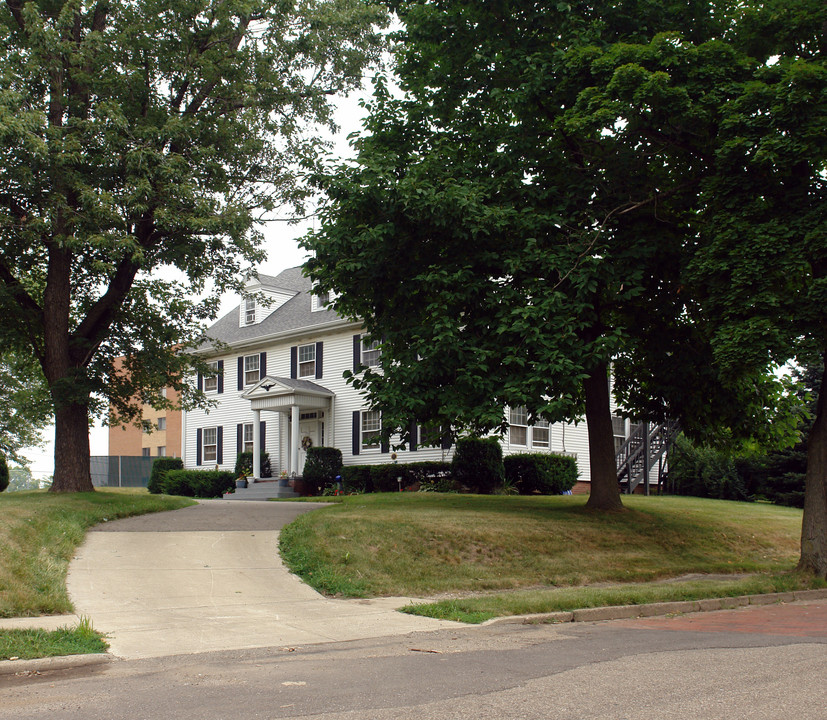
261	491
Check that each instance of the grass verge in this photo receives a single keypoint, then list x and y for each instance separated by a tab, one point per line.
426	544
33	643
39	532
478	609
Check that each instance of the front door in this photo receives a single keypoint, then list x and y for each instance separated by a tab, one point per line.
308	437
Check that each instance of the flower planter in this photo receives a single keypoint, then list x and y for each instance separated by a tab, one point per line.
241	482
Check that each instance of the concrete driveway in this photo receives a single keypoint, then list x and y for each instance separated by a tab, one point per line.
209	577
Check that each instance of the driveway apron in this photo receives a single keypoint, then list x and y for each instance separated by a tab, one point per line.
209	577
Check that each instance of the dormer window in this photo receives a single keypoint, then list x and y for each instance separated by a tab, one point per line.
320	298
249	311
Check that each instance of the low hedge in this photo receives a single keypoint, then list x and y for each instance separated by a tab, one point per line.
160	468
533	473
198	483
384	477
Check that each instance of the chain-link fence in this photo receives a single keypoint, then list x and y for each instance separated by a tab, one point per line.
121	470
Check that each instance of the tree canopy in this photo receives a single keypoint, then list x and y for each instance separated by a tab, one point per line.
525	216
142	141
25	409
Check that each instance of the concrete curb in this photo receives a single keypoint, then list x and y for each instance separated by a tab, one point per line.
624	612
62	662
618	612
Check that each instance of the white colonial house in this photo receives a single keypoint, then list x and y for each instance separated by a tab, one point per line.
278	386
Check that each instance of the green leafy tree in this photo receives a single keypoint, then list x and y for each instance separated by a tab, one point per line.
25	408
511	229
20	478
141	141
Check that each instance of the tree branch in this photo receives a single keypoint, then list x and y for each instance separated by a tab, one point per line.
15	8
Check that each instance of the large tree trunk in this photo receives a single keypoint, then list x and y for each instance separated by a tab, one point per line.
72	466
605	492
814	525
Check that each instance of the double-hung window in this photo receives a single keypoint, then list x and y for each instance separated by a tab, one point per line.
249	311
248	438
307	360
252	365
619	431
162	423
518	430
371	429
211	380
370	352
210	445
540	433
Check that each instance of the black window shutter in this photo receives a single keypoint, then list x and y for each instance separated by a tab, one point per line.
294	362
200	384
357	418
412	445
220	376
446	441
357	353
219	454
319	353
239	438
262	365
385	446
241	373
262	433
198	434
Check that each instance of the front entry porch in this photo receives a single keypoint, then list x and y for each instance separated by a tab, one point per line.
306	410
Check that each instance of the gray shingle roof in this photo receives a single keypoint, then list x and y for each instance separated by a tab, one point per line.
295	314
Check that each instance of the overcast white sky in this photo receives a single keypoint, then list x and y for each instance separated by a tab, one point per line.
282	252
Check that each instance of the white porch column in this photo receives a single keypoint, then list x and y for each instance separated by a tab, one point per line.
294	440
256	444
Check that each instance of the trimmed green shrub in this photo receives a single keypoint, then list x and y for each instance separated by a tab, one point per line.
357	478
540	473
703	471
244	464
198	483
385	477
478	464
322	466
434	476
160	468
4	473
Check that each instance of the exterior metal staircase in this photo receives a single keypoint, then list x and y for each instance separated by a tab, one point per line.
643	451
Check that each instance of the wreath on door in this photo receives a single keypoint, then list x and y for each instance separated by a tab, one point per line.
307	442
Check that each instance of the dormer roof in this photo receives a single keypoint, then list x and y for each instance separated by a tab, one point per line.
295	314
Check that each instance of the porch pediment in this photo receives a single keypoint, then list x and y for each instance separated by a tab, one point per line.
274	393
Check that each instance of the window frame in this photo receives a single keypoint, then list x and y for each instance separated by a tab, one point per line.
161	423
248	371
306	368
249	310
162	450
543	426
370	430
517	428
247	445
212	457
211	380
370	353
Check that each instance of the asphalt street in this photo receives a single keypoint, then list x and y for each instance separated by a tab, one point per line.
754	662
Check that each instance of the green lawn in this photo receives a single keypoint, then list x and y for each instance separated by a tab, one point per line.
29	644
427	544
39	532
